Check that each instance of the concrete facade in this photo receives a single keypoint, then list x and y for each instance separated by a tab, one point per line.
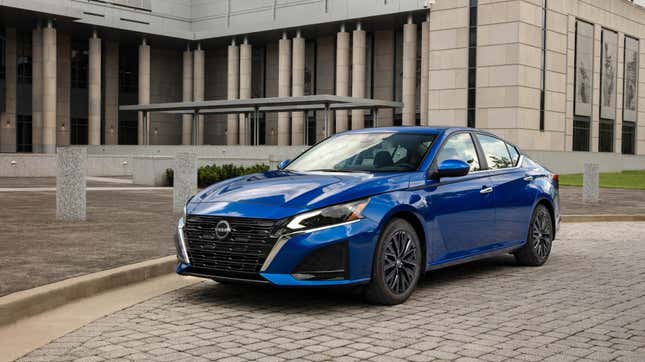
399	50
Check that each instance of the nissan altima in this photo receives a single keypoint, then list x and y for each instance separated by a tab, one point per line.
373	207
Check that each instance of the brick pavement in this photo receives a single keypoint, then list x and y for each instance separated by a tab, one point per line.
587	303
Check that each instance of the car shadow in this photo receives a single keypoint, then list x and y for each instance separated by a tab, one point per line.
297	300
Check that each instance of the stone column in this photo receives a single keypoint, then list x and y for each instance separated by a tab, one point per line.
245	88
94	91
590	183
111	136
187	95
184	180
144	83
49	88
37	90
71	169
284	87
63	93
232	131
342	74
298	128
425	71
358	74
409	72
384	68
198	88
8	118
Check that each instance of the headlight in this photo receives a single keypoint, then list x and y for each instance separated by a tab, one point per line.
329	216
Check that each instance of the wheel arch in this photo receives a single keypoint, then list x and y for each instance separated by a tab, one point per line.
414	220
549	206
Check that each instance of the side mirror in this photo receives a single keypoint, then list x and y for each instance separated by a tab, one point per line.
453	168
283	164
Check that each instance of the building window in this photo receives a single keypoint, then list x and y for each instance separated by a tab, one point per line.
23	58
629	138
79	65
128	69
543	75
584	49
581	133
78	134
472	64
2	72
606	136
608	89
23	133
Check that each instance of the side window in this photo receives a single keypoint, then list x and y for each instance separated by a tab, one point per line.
496	153
515	156
460	147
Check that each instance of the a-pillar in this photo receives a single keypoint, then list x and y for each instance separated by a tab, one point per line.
358	74
342	74
37	90
94	91
298	128
49	88
187	96
409	72
232	131
198	88
8	118
284	87
425	72
245	88
144	84
111	131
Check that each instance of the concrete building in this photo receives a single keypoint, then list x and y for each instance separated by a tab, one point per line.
549	75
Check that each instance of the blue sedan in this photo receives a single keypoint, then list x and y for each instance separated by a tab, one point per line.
373	207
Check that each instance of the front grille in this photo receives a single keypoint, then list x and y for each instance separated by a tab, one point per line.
240	254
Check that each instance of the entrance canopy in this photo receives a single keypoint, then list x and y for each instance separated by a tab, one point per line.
254	106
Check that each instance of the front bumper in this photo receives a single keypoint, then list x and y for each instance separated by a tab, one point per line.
282	268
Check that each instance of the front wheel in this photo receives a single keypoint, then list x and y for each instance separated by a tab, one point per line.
397	264
537	249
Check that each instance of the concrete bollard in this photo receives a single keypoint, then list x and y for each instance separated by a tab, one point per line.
71	169
591	183
184	180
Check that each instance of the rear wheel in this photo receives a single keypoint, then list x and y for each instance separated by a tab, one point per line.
537	249
397	264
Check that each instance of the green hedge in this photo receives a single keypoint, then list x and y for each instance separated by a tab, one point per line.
208	175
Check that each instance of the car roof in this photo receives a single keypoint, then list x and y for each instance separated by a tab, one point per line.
414	129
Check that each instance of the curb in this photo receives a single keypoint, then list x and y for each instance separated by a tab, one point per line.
33	301
601	218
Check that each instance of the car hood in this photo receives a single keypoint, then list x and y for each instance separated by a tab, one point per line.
277	194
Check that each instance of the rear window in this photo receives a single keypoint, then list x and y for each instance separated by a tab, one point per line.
515	156
496	152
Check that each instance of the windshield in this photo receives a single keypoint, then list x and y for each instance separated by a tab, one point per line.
365	152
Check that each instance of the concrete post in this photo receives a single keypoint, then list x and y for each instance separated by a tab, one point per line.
184	180
37	90
409	72
358	74
298	128
49	88
284	87
232	130
94	91
8	118
144	83
245	89
425	72
198	88
71	168
590	183
342	75
187	95
111	136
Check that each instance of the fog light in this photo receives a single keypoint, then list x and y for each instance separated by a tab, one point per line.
327	263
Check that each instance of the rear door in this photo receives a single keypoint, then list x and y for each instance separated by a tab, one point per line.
513	190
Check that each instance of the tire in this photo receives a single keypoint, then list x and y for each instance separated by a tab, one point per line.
537	249
397	264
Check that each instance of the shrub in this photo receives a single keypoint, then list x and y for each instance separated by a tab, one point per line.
208	175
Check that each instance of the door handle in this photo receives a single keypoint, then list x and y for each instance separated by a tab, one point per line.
486	190
528	178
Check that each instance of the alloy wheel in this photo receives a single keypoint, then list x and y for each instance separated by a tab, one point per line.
542	232
400	262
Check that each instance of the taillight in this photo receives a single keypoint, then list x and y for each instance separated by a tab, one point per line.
555	178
